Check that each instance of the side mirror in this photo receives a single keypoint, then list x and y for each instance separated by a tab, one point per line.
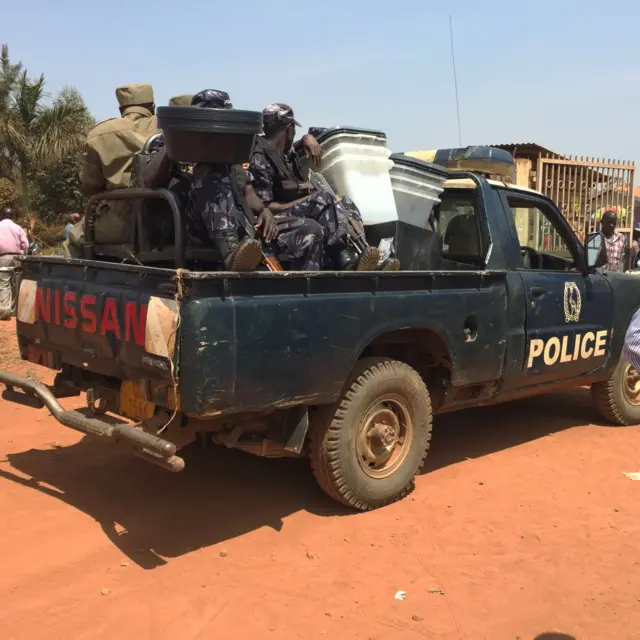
595	250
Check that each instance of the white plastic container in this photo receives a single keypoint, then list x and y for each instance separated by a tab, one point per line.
335	136
355	163
417	186
366	181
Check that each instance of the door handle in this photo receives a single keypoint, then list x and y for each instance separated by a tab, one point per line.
538	292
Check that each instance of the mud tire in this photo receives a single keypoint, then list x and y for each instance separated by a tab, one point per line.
334	430
611	401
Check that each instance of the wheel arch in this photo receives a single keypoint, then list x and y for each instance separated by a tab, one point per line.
424	348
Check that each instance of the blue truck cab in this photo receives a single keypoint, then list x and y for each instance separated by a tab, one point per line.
345	368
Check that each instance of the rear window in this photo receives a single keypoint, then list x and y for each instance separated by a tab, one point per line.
459	224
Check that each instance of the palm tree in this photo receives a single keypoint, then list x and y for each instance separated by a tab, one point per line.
9	74
33	134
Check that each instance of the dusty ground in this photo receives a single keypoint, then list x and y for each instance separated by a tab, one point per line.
523	523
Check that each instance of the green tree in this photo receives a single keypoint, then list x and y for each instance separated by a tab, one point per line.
7	193
9	75
57	190
35	134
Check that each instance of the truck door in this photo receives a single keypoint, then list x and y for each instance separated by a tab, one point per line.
568	315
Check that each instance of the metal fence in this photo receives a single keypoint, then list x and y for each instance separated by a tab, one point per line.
584	188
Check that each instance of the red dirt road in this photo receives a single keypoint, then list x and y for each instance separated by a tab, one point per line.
523	523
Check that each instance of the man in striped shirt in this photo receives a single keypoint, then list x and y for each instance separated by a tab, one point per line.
615	242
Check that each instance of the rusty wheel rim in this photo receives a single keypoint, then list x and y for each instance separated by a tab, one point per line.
384	436
631	385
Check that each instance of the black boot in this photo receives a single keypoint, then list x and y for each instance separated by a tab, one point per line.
348	259
238	255
345	259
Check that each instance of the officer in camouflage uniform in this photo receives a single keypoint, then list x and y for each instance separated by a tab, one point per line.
278	181
217	196
111	146
158	170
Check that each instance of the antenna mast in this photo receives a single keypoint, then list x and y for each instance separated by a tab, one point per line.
455	78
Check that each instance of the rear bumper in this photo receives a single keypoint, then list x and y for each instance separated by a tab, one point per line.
145	445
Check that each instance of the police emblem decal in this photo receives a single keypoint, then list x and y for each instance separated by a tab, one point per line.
572	302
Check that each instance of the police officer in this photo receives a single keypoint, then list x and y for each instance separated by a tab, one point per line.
111	146
216	200
212	213
278	181
161	171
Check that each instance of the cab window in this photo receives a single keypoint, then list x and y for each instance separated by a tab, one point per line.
459	226
543	242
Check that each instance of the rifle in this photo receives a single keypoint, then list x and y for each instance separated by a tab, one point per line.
356	233
248	220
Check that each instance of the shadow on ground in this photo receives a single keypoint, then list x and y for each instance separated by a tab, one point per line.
150	514
478	432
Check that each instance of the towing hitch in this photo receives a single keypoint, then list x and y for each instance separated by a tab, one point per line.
145	445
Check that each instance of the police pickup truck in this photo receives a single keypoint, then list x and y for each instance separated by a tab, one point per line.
345	368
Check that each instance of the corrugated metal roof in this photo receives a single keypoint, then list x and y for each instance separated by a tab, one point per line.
525	147
515	144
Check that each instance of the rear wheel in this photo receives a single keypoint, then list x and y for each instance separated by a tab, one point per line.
366	452
618	398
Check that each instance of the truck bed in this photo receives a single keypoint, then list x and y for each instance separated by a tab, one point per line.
246	342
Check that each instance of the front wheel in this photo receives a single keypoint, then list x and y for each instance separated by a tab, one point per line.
618	398
366	452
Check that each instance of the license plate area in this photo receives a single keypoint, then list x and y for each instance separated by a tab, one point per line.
133	401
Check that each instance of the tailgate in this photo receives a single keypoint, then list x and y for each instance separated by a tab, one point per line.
113	319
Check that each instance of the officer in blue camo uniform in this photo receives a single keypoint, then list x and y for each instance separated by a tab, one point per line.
211	196
214	206
277	179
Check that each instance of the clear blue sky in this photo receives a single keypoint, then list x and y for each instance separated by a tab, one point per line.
562	73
